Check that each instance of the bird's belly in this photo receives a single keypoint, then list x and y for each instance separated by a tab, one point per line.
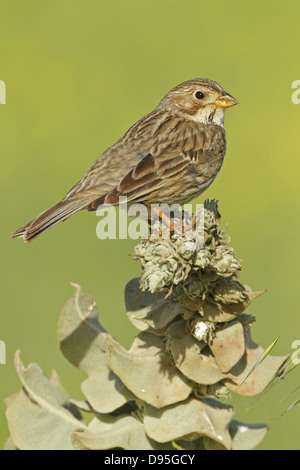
191	193
186	186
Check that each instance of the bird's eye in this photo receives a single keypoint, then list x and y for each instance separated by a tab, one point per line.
199	95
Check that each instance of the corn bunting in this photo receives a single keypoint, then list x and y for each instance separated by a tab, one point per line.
169	156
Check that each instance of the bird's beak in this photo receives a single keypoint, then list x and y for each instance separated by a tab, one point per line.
225	101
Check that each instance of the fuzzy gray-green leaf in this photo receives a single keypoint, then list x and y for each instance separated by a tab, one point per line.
259	378
228	345
149	310
84	342
150	374
246	436
35	417
190	420
190	358
124	432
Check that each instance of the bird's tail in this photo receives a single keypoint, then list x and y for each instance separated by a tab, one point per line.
49	218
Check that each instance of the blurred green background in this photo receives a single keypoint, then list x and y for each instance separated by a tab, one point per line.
78	75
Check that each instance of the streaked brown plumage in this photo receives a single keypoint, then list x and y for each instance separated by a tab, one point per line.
170	156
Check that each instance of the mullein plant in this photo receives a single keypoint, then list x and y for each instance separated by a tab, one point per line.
193	348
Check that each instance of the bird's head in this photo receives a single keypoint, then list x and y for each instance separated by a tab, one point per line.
200	100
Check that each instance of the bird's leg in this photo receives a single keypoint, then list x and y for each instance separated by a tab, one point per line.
193	231
173	226
154	233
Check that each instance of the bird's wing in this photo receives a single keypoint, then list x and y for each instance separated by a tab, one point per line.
169	157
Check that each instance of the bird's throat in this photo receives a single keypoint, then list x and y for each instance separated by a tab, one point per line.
209	115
